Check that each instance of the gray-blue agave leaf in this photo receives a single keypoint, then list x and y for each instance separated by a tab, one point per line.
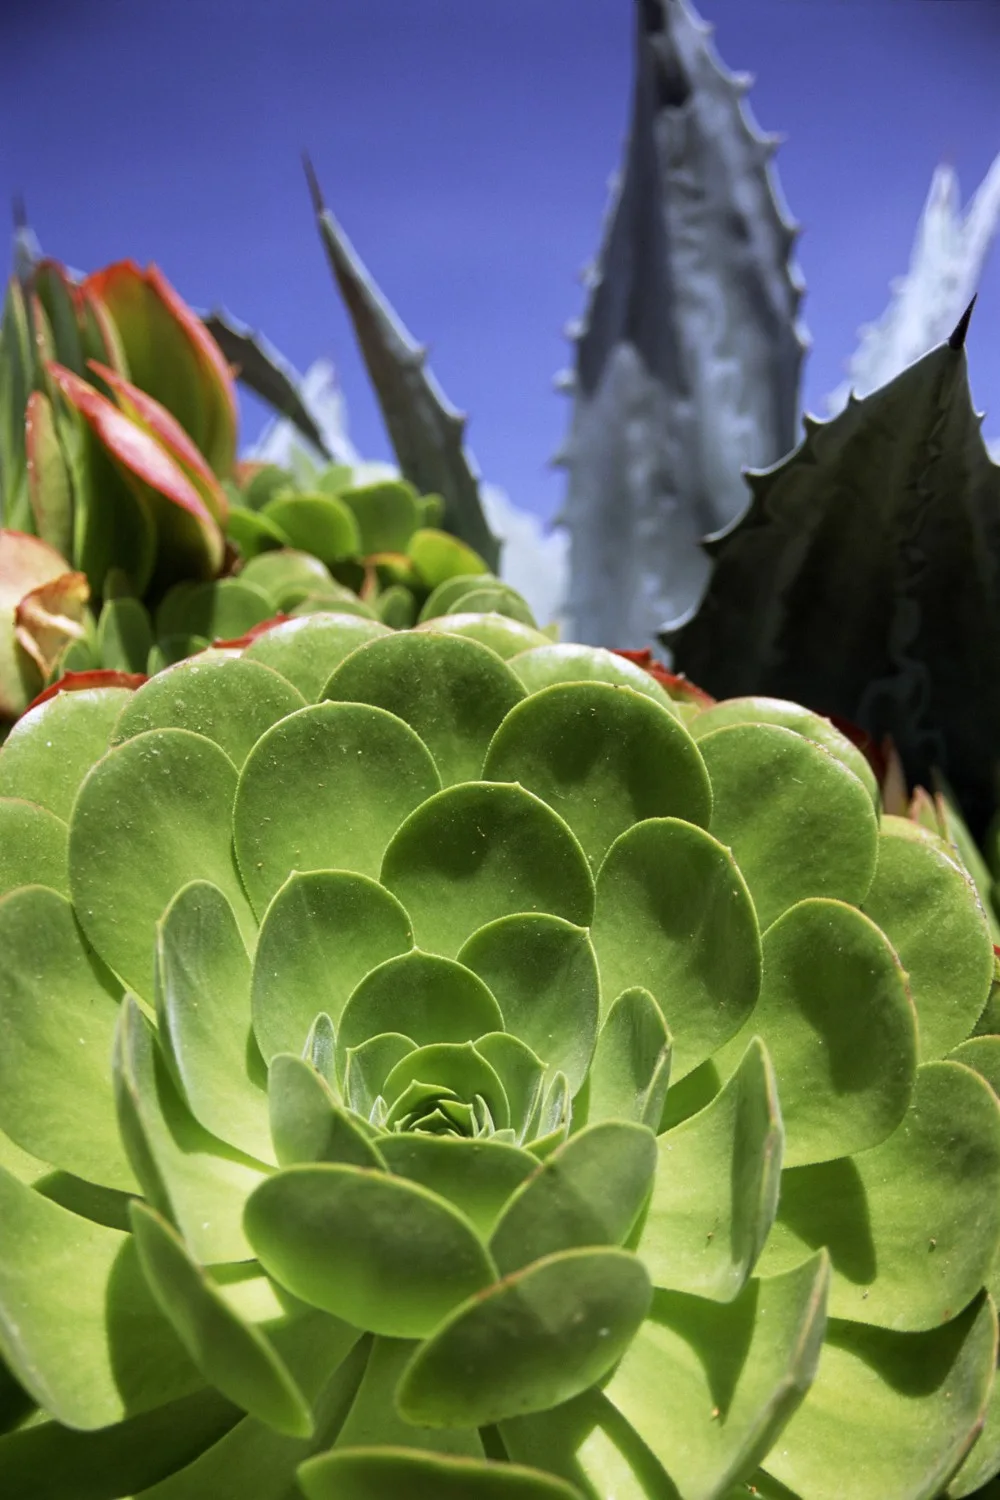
688	359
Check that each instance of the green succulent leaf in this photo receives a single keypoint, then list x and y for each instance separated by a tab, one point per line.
791	716
436	999
535	1339
58	1012
716	1188
673	915
603	757
151	816
492	596
588	1192
373	1473
366	1247
631	1067
321	934
836	1015
387	514
318	524
78	1325
522	1075
736	1372
477	1176
50	750
441	597
452	692
912	1225
373	1417
507	637
326	788
234	1356
906	1406
33	847
203	1011
545	666
542	970
927	906
219	610
307	1123
228	700
306	651
797	820
193	1179
480	851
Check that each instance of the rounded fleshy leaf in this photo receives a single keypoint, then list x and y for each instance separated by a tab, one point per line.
760	710
797	820
533	1340
221	610
228	700
234	1357
319	524
562	661
386	514
522	1074
455	1067
326	789
912	1225
588	1192
673	915
928	908
982	1055
444	595
374	1473
78	1325
452	692
735	1375
286	576
124	635
203	1010
307	1123
716	1187
840	1028
604	758
58	1013
905	1406
435	999
189	1176
373	1417
308	650
477	1176
493	596
50	750
32	847
366	1247
542	971
152	815
322	933
506	637
480	851
631	1067
366	1067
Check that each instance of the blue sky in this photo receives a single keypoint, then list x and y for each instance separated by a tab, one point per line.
465	147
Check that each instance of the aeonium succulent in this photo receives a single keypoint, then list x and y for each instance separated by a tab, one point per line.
430	1067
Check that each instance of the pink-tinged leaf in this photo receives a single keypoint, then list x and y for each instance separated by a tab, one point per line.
79	682
189	543
172	356
163	426
50	488
52	615
25	563
246	469
99	337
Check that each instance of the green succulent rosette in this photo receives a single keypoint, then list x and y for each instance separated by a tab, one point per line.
432	1067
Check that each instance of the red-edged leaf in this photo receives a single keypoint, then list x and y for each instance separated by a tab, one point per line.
172	356
245	469
162	425
26	562
79	682
676	684
239	641
195	549
50	616
873	752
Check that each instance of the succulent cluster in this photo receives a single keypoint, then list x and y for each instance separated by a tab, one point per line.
436	1062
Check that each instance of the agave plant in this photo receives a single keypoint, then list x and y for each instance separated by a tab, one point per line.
437	1063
